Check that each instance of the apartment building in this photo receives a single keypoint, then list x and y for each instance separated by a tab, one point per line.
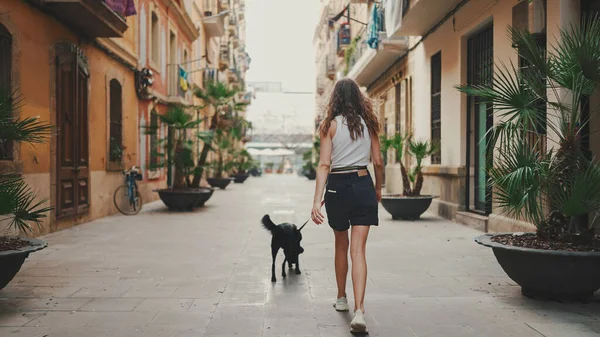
97	70
423	50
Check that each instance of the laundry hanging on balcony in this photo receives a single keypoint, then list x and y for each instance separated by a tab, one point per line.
122	7
374	28
183	83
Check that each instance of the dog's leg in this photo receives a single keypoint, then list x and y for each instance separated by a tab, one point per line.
290	265
274	250
283	268
298	267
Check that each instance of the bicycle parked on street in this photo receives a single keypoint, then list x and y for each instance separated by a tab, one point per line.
127	196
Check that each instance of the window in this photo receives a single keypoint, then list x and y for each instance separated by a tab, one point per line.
6	147
115	154
153	140
155	41
436	106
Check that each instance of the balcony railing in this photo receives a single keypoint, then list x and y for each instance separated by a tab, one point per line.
93	18
224	56
344	39
357	52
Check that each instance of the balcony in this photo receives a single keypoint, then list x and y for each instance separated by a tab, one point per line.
330	66
372	57
320	85
224	57
418	17
224	4
214	24
343	39
233	76
93	18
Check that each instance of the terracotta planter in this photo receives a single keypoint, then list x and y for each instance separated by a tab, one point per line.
11	261
548	274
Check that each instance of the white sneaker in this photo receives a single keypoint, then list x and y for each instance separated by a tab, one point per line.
341	304
358	323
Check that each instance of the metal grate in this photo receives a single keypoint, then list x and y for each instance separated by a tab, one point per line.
6	146
116	118
480	72
436	106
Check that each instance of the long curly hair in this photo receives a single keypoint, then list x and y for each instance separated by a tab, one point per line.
347	100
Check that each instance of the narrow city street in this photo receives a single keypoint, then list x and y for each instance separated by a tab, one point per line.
207	273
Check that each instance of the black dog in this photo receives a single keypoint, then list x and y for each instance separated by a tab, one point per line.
287	237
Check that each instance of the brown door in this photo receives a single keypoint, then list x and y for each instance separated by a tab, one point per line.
72	143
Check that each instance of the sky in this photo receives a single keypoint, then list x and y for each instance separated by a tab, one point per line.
279	38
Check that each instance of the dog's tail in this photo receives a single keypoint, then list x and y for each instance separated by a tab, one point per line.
269	224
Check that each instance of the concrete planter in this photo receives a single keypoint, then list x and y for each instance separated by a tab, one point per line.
406	208
240	178
220	183
12	260
548	274
185	199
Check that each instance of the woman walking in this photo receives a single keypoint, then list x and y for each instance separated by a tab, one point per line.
349	137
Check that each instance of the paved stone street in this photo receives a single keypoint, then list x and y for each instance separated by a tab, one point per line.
207	273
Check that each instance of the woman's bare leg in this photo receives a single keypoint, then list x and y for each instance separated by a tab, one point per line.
341	261
359	264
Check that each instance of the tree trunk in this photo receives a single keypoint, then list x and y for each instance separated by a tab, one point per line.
418	185
405	181
204	154
179	179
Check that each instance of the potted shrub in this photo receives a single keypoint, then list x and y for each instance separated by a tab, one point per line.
409	205
557	190
269	167
243	159
311	162
178	159
222	148
18	205
242	163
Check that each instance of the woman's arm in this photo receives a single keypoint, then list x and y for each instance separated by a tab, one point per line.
322	173
377	164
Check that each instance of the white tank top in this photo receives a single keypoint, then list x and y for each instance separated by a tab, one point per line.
348	152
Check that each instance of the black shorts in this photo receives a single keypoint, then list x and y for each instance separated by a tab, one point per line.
350	200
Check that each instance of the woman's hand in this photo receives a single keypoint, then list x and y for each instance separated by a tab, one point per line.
316	215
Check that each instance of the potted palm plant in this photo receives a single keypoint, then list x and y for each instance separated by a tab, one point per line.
269	167
178	159
409	205
242	163
557	189
217	97
222	147
18	205
311	160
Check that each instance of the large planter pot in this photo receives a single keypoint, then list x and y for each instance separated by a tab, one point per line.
221	183
548	274
240	178
406	208
12	260
185	199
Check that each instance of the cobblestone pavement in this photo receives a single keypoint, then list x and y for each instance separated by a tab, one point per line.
207	273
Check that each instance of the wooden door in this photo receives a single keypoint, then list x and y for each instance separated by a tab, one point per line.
72	141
